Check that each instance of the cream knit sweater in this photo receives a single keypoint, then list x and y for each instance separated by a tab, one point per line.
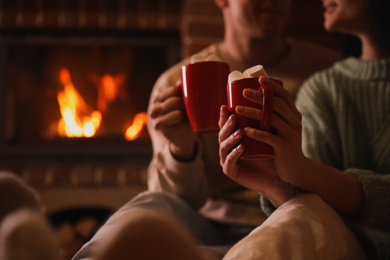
346	124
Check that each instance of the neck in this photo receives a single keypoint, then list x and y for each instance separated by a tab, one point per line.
253	51
372	49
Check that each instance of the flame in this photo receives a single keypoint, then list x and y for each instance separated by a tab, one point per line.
135	129
109	88
80	120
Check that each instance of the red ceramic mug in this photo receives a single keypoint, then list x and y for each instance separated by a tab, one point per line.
253	149
204	92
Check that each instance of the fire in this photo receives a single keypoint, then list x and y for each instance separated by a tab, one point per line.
134	130
79	119
109	88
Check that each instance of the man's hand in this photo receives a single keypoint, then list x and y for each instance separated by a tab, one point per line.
167	115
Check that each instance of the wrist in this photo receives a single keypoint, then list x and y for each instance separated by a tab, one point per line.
280	193
303	176
184	154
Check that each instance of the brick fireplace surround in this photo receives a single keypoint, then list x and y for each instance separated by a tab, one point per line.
111	182
97	186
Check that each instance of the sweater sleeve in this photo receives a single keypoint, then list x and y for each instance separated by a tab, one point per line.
320	138
322	109
165	173
376	206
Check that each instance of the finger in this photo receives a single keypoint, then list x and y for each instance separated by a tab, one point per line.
257	96
227	129
282	111
253	95
223	116
228	140
281	92
164	94
250	112
178	83
279	107
284	129
230	163
229	143
284	124
169	119
282	103
167	106
262	136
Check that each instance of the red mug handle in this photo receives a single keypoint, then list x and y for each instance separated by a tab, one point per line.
267	111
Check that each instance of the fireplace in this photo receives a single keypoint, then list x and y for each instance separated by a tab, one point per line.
75	79
80	94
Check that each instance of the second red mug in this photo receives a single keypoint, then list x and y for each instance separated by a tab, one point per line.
253	149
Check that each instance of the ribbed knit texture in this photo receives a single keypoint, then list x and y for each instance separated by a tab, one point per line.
346	110
346	124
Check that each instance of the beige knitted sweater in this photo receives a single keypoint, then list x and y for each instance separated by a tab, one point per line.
201	182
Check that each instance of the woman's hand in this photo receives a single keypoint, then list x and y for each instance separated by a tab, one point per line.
286	121
167	115
257	175
341	190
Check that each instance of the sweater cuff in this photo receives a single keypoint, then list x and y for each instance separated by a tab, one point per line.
376	188
176	166
266	206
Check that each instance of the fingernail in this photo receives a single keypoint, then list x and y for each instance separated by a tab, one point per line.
246	130
237	133
240	148
230	119
240	109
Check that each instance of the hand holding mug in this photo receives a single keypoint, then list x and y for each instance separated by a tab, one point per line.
167	116
238	82
286	122
257	175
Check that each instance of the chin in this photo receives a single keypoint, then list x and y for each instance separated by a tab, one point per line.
329	26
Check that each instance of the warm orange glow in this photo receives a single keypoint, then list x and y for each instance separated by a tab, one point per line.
78	119
135	129
109	88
